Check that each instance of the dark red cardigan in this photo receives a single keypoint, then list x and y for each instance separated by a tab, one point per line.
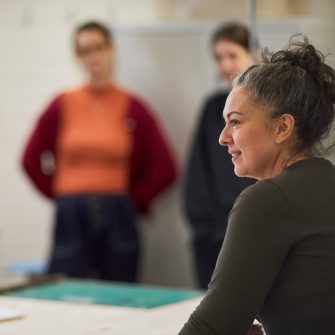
152	167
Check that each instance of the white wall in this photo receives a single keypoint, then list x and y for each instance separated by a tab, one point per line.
166	64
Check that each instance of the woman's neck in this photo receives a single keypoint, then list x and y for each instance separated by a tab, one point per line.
297	157
281	162
98	83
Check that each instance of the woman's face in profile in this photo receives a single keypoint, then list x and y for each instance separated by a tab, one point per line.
249	135
94	53
231	59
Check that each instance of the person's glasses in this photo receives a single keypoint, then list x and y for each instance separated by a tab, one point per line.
85	51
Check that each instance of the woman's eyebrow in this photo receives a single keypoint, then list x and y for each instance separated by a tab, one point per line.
230	113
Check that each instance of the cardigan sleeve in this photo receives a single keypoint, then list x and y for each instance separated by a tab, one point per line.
153	166
41	140
259	235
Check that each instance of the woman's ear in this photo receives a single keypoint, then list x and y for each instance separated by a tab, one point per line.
285	128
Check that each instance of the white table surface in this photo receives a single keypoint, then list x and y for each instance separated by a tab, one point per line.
44	317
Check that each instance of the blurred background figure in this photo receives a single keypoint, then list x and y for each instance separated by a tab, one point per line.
210	183
110	161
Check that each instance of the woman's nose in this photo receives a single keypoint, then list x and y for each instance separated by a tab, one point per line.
225	137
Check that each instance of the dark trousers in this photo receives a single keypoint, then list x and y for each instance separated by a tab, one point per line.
206	252
95	236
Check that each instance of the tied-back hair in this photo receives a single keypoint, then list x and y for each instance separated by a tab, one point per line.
97	26
235	32
296	81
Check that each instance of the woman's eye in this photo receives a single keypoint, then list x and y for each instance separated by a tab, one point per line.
234	122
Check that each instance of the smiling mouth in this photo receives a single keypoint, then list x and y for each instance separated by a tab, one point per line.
235	155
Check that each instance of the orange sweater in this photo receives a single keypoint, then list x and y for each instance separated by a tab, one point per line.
94	145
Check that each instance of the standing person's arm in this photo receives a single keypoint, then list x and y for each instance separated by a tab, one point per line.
42	140
199	204
153	166
259	235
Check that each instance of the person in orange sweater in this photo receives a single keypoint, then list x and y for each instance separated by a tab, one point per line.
110	161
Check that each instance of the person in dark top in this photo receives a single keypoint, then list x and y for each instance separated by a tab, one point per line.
277	262
210	185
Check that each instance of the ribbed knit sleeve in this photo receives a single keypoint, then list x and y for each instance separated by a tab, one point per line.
152	165
42	139
259	235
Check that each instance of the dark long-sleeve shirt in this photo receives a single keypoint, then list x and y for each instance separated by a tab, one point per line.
211	185
277	262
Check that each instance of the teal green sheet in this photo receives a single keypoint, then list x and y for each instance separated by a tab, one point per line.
107	294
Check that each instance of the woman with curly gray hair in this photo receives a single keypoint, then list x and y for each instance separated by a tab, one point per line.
277	263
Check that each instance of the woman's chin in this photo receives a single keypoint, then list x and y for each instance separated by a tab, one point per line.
239	172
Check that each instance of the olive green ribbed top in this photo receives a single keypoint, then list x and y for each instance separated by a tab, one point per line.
277	262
